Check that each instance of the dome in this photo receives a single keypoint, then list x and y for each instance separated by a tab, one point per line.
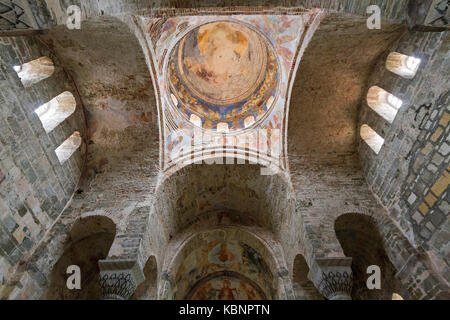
223	73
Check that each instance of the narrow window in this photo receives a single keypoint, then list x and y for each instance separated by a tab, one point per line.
34	71
222	127
174	100
373	140
56	110
68	147
383	103
196	120
249	121
402	65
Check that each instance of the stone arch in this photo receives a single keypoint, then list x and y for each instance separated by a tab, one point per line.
240	190
190	259
360	239
304	288
322	233
88	241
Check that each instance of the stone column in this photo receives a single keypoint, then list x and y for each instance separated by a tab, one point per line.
333	277
119	278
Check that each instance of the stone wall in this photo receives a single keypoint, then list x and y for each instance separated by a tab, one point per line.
411	173
34	186
392	10
49	12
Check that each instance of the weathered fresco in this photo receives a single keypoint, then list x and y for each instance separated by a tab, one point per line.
246	85
223	72
229	286
220	265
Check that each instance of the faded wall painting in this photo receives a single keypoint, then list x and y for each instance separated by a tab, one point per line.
220	265
226	286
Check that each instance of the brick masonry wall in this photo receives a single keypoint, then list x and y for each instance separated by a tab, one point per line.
411	173
34	186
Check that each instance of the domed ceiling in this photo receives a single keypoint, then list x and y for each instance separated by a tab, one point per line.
223	76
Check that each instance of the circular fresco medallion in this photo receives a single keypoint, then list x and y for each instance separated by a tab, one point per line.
224	74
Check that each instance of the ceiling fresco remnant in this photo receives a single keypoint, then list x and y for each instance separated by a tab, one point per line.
223	72
224	84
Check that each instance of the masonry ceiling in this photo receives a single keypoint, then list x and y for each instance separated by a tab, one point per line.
331	83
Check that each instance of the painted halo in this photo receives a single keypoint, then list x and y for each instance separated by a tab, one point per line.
223	76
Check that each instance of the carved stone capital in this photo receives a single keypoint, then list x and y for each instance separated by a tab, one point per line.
119	278
333	277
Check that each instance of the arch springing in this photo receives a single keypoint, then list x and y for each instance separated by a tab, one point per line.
373	139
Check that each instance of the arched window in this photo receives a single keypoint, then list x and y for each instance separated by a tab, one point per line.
270	102
147	290
403	65
383	103
174	100
373	139
56	110
249	121
196	120
68	147
35	71
360	238
222	127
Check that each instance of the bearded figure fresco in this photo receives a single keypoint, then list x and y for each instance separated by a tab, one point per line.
223	72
